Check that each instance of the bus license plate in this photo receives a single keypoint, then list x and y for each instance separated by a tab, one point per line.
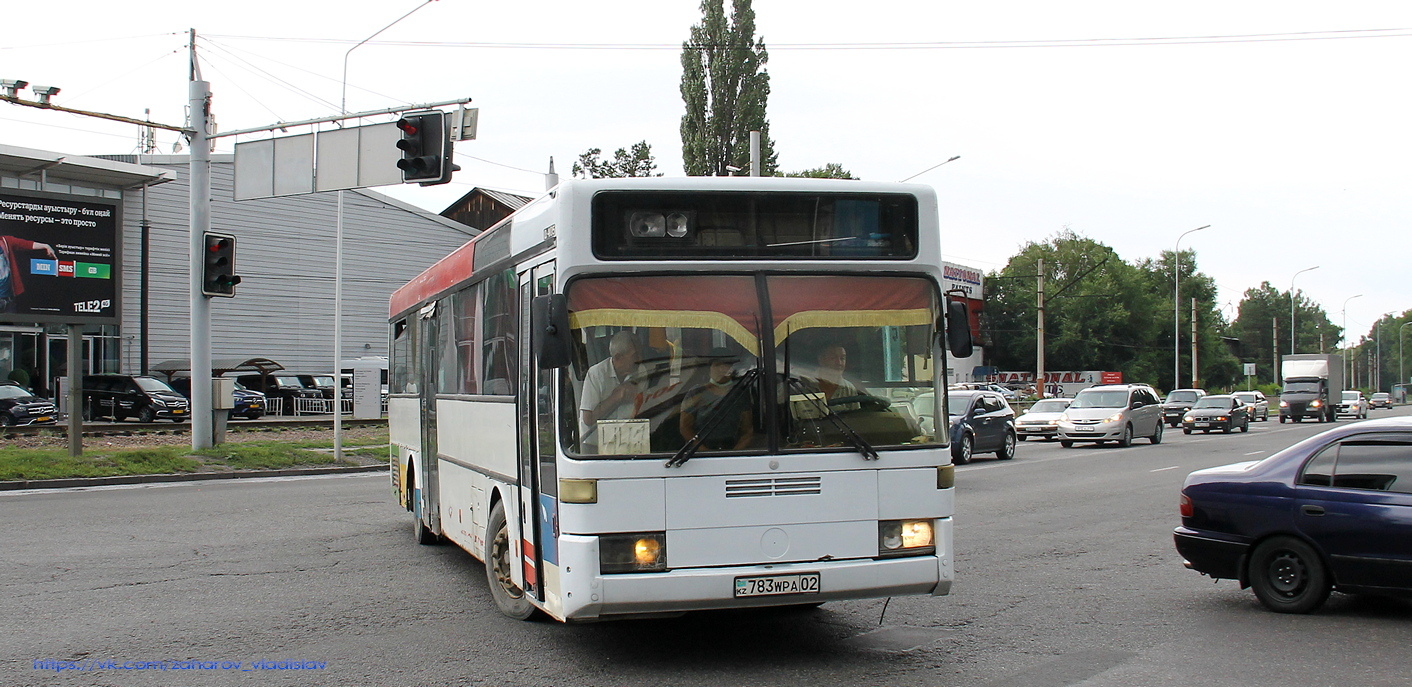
803	583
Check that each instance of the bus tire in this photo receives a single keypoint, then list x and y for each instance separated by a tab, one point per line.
509	598
420	531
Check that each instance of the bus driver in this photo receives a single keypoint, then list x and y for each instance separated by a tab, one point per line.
610	389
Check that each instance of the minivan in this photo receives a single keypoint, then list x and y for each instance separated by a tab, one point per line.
138	396
1112	412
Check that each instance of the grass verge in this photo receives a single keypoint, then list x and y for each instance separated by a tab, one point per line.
33	464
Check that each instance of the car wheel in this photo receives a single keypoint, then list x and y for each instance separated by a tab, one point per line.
961	450
509	598
1157	434
1022	437
1230	427
1007	450
1174	424
1245	426
1288	576
1186	430
147	415
1282	419
1066	443
1127	439
7	421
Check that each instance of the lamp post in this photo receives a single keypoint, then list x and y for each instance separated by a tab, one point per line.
1291	306
1177	308
1345	334
1401	373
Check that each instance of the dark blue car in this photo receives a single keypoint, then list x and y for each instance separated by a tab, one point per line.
981	422
1333	512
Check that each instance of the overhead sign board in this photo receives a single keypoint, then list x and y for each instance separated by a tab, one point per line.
59	258
338	159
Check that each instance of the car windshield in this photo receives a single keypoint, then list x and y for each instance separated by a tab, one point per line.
1380	396
1054	405
1350	395
924	405
1181	397
957	405
1246	398
1100	399
323	380
287	381
150	384
1214	402
8	391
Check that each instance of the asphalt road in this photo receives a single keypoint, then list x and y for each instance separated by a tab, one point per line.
1065	566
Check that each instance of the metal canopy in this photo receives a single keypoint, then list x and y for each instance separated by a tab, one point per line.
220	366
77	168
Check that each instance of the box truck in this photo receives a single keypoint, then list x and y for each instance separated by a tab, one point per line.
1312	387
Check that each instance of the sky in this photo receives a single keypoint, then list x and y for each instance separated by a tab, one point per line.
1284	125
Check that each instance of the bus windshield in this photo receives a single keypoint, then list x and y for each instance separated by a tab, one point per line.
663	359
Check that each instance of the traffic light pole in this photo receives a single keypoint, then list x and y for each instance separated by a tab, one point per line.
200	107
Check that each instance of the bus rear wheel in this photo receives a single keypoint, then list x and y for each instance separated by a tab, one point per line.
509	598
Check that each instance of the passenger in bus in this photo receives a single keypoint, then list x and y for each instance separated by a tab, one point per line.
611	388
735	430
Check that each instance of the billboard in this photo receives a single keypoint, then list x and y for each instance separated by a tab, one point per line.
59	258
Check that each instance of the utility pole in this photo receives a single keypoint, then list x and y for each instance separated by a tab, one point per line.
1039	333
199	92
1275	350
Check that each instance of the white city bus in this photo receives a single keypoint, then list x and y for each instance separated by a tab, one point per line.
648	396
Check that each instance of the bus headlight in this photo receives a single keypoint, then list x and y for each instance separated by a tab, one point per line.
905	537
629	553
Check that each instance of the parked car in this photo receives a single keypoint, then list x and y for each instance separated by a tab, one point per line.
282	385
248	404
1224	412
1353	405
1255	404
1007	394
1328	513
19	407
122	396
1178	402
981	422
1112	412
1042	419
1382	399
324	383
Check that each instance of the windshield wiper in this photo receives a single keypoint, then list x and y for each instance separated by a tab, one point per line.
713	417
859	443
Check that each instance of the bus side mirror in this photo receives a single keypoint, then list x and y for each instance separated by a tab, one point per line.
549	331
958	330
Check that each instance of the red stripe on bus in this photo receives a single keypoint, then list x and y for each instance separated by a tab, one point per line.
447	272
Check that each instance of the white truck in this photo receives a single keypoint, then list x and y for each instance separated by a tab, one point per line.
1312	387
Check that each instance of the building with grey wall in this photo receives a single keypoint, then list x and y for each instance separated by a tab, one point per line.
283	308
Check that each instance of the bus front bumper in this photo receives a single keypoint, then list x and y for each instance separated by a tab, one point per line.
676	591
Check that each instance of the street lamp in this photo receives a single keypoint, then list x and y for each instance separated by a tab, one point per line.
1291	306
1345	334
1177	309
1401	373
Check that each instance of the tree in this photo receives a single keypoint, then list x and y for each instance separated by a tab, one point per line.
636	162
1263	326
725	88
832	170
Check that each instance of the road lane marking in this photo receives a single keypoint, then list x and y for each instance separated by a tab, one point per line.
1173	467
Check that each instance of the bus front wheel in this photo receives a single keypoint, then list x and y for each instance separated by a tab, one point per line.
509	598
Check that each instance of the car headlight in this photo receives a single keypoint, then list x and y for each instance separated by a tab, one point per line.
1189	418
631	553
1315	403
1063	417
905	537
1221	418
1115	417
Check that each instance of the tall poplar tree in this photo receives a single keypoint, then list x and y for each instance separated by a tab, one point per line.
725	87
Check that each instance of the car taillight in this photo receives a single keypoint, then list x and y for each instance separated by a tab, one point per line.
1184	505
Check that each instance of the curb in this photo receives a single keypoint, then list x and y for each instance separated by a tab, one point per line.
71	482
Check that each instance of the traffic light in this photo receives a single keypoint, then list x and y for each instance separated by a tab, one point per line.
218	276
426	148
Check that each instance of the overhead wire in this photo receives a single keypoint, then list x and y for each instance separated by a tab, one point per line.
233	49
1341	34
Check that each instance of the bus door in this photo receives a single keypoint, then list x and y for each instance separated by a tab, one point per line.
428	480
539	481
